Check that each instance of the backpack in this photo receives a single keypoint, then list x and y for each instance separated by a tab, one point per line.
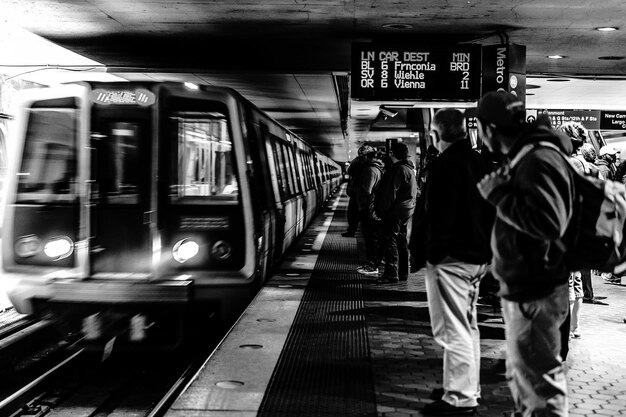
594	237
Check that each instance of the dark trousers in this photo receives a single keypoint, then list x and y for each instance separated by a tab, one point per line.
587	286
393	232
370	230
353	215
565	330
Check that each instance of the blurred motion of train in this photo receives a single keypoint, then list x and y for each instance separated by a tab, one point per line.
133	202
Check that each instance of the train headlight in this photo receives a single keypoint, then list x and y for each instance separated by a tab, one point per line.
27	246
184	250
221	250
59	247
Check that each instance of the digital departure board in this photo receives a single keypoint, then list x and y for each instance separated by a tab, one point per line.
392	72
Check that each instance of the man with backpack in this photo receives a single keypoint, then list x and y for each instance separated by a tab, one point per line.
534	198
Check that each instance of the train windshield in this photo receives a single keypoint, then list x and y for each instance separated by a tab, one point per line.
205	159
48	171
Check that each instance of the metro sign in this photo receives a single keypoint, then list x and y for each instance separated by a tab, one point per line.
139	96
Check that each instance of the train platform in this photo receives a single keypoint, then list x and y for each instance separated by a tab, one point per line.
322	340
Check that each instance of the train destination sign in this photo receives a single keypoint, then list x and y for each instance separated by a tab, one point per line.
385	72
590	119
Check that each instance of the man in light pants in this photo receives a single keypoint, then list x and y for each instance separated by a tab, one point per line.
458	224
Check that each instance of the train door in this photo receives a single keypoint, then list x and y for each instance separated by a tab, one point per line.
121	170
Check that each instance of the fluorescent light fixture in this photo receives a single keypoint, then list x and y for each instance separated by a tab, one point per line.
556	56
607	29
32	58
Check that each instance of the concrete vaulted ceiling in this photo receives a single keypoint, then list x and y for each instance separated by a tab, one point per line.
292	58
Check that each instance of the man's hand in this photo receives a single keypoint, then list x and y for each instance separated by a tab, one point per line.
493	186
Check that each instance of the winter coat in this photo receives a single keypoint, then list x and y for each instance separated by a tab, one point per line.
533	211
458	219
355	169
397	192
368	183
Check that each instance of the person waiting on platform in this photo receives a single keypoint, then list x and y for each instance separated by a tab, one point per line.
606	161
354	171
365	189
458	224
394	205
534	202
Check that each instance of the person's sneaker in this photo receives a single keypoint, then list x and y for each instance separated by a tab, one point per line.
387	280
576	334
442	408
367	270
437	394
594	300
348	234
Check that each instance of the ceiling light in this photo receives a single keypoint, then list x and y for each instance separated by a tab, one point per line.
532	86
607	29
557	79
611	58
530	94
556	56
399	26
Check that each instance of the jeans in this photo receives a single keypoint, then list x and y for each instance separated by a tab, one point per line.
352	215
452	288
587	285
396	248
535	370
369	228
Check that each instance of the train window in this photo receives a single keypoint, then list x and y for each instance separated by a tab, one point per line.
48	171
118	151
284	170
294	171
205	158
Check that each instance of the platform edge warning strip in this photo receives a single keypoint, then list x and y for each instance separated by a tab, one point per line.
324	368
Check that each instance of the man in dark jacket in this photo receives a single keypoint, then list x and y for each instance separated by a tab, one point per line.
533	202
365	189
394	204
458	224
354	171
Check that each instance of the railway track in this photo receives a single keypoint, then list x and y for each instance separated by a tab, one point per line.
88	382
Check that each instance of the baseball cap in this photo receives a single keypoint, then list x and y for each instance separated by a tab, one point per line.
501	109
608	150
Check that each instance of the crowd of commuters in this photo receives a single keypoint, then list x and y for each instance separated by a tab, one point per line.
384	195
476	218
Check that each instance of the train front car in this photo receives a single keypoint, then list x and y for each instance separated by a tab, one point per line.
128	207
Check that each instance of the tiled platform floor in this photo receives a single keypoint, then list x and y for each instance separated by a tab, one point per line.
407	362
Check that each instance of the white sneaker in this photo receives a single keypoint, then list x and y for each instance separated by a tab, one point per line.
367	270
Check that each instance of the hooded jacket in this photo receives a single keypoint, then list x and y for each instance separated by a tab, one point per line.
532	213
355	169
458	220
368	183
397	192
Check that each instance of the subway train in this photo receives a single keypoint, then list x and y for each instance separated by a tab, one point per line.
129	205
